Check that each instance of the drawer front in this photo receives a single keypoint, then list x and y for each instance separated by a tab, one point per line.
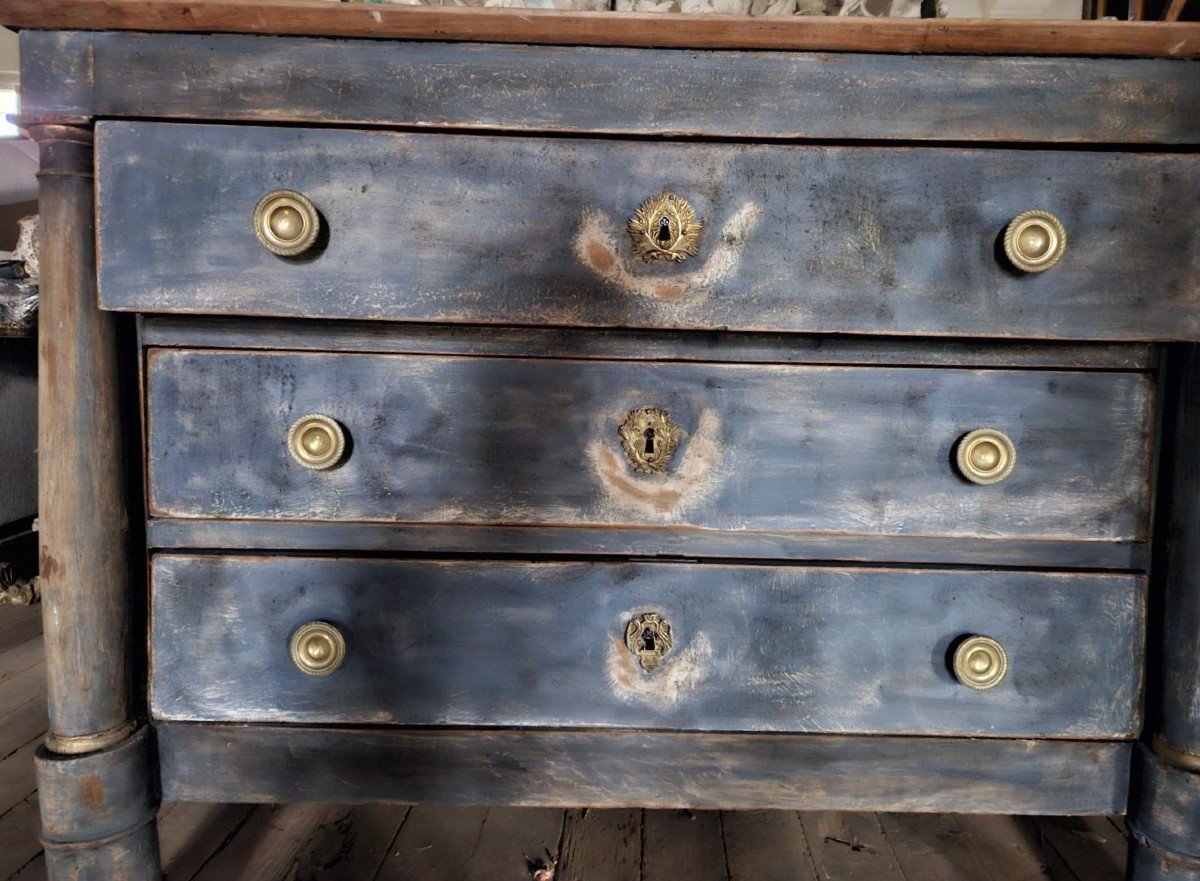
537	442
534	231
754	648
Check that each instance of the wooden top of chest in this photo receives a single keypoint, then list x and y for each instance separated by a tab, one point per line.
363	20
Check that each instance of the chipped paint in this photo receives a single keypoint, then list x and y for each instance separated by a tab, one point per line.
668	495
679	673
598	248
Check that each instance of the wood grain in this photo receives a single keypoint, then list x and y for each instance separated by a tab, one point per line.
683	844
174	331
766	846
659	543
658	770
514	843
602	843
81	75
607	28
435	843
767	449
532	231
756	647
850	846
84	523
1177	692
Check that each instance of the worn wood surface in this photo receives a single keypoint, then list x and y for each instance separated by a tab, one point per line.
632	345
538	88
1147	864
1165	809
611	28
83	519
756	647
516	442
532	231
657	770
352	843
658	542
1176	696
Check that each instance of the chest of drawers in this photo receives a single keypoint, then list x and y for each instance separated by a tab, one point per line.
545	425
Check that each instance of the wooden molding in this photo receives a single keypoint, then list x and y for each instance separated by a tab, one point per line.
327	19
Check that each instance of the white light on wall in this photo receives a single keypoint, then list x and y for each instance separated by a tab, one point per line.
8	104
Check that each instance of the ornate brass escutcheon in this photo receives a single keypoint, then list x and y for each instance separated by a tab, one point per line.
649	637
649	437
665	228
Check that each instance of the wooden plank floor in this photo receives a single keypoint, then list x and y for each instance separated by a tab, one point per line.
307	842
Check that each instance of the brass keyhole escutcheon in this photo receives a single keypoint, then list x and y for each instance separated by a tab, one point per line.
1034	241
649	437
665	228
980	663
649	638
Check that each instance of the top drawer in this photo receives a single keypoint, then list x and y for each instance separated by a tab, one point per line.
534	231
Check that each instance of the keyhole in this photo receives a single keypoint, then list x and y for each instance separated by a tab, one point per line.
648	641
664	230
649	441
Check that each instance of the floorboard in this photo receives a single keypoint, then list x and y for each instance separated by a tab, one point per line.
850	847
602	844
307	842
766	846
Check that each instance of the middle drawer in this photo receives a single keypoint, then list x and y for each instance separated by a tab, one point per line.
776	450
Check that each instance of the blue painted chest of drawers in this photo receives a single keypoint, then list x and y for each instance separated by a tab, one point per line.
538	425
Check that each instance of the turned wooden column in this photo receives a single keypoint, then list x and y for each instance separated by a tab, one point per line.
1165	799
94	776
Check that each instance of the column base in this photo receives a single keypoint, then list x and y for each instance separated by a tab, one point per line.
98	813
1164	821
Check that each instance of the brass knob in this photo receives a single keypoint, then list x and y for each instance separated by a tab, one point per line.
1034	241
649	638
980	663
665	228
318	648
986	456
286	222
316	442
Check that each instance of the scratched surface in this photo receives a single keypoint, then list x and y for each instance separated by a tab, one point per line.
792	449
464	228
733	94
755	647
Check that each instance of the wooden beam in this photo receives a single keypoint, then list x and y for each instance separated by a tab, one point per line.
321	18
607	768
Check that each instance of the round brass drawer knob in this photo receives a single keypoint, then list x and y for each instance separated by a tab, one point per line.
316	442
980	663
1034	241
318	648
986	456
286	222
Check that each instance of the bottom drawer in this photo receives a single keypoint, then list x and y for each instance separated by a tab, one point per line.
645	645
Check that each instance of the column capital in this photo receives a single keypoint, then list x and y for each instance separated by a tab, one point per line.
65	149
